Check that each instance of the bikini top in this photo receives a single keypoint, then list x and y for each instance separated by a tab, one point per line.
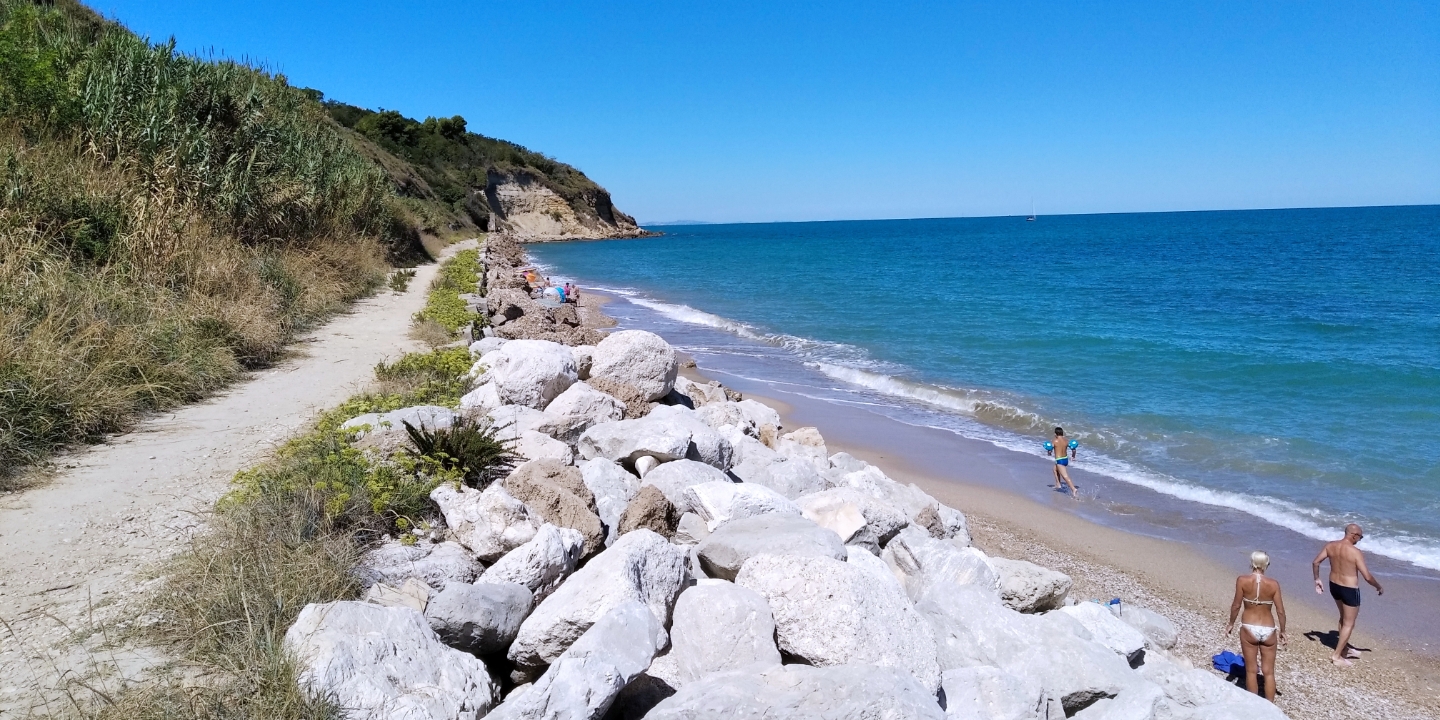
1257	600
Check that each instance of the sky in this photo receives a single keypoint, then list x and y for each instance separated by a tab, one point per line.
766	111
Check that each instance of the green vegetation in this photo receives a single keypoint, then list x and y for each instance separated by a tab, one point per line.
165	222
444	304
453	166
400	280
467	447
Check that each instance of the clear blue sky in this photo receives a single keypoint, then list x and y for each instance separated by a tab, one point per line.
745	111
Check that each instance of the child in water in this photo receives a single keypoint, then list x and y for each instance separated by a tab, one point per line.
1062	451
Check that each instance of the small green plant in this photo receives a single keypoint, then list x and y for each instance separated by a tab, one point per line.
467	447
400	280
444	305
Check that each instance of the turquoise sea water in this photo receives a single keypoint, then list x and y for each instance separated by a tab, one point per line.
1282	363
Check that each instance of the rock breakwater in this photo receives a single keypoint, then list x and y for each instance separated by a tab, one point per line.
669	550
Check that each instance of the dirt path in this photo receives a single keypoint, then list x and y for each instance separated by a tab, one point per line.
71	550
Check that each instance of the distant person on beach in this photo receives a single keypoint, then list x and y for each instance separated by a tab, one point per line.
1063	453
1347	566
1260	633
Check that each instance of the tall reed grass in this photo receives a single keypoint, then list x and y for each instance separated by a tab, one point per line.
166	221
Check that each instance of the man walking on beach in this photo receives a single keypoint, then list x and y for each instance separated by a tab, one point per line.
1347	566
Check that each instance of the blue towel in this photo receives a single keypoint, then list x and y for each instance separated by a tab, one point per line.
1228	662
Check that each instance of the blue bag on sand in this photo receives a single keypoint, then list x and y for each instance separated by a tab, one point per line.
1228	662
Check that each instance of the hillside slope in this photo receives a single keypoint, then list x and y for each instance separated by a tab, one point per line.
464	179
168	221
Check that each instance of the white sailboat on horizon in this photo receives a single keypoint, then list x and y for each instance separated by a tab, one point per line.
1032	211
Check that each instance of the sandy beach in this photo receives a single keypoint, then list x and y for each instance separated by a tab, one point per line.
1185	583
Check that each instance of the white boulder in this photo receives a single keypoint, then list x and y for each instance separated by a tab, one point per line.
804	444
484	346
724	551
942	521
481	400
1108	630
989	693
385	664
838	508
920	561
394	562
1140	701
481	618
720	502
613	488
1030	588
800	692
586	405
490	523
719	626
430	417
583	682
535	445
638	359
1159	632
828	612
789	477
640	566
674	478
541	564
530	372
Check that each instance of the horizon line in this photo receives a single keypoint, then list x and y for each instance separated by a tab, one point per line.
682	223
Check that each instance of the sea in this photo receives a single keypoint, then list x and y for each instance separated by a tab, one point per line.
1283	365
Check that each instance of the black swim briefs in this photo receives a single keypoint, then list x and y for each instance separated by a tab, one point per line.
1346	595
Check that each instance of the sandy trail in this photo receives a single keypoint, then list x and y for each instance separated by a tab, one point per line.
71	551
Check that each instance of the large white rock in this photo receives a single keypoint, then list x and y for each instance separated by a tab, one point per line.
759	414
534	445
481	618
989	693
866	520
706	445
586	405
828	612
583	682
510	421
484	346
530	372
789	477
430	417
722	415
799	692
613	488
861	557
971	627
700	394
481	400
674	478
1077	671
804	444
920	561
1140	701
720	502
636	358
1157	629
625	441
490	523
719	626
725	551
947	523
541	564
584	357
1200	694
1030	588
640	566
386	664
393	563
1108	630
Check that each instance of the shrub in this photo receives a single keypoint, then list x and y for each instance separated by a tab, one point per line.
400	280
444	305
467	447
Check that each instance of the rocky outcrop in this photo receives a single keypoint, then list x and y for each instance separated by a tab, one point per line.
521	204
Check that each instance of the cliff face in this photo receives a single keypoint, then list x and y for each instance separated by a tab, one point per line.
524	207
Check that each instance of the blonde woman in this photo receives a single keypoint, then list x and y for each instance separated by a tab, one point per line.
1262	626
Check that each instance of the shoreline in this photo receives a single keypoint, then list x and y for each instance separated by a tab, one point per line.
1187	584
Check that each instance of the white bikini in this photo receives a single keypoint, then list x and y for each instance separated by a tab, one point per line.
1261	633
